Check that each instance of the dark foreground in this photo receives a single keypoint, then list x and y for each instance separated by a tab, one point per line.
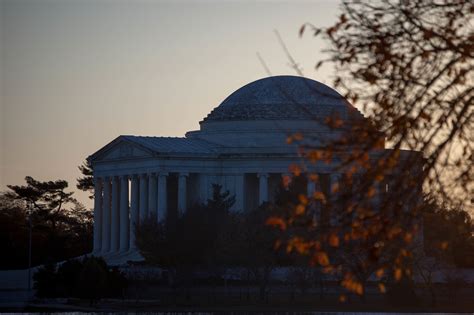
201	301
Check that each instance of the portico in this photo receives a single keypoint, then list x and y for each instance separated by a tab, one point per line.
118	214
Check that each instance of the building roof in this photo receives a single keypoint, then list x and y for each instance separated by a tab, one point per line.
173	144
281	98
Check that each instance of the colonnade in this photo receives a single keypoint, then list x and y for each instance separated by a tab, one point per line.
121	202
312	186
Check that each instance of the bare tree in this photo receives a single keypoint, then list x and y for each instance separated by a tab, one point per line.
409	65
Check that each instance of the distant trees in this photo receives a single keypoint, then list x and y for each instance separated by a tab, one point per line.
448	234
210	238
194	241
61	226
254	247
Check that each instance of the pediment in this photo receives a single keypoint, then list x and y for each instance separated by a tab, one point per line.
121	150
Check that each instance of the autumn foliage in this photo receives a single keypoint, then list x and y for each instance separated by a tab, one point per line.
408	65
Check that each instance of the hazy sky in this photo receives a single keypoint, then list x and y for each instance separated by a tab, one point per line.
74	75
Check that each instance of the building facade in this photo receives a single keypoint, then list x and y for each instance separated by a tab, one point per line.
241	145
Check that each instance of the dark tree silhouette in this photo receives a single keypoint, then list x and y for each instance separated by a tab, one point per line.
61	226
193	241
448	234
86	182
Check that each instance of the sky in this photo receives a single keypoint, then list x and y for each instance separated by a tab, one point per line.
74	75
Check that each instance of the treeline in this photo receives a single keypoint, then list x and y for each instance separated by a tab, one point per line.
208	239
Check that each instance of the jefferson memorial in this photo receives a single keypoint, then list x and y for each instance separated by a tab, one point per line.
240	145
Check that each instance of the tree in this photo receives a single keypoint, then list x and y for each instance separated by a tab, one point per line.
448	234
195	241
48	199
86	182
255	246
13	233
409	65
61	226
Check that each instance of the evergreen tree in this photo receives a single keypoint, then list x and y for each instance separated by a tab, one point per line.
86	182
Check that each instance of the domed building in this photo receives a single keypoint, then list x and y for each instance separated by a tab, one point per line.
241	145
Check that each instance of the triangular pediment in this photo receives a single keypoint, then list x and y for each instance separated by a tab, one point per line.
120	149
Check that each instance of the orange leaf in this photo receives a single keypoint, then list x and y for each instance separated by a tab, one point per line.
444	245
317	195
277	244
398	274
382	288
379	177
408	237
379	273
334	240
314	155
342	298
303	199
295	169
335	187
322	258
371	192
298	136
300	209
276	222
286	181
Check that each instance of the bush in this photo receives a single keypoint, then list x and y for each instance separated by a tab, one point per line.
89	278
45	281
402	294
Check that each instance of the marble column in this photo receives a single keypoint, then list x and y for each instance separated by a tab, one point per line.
134	215
182	192
239	192
124	216
106	215
262	188
97	215
143	204
203	187
310	188
162	196
152	195
115	215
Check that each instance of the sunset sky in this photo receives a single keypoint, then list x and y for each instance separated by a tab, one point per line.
77	74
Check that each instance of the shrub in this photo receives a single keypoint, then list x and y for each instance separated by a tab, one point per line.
89	278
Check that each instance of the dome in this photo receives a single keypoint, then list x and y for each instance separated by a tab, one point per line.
281	98
259	116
